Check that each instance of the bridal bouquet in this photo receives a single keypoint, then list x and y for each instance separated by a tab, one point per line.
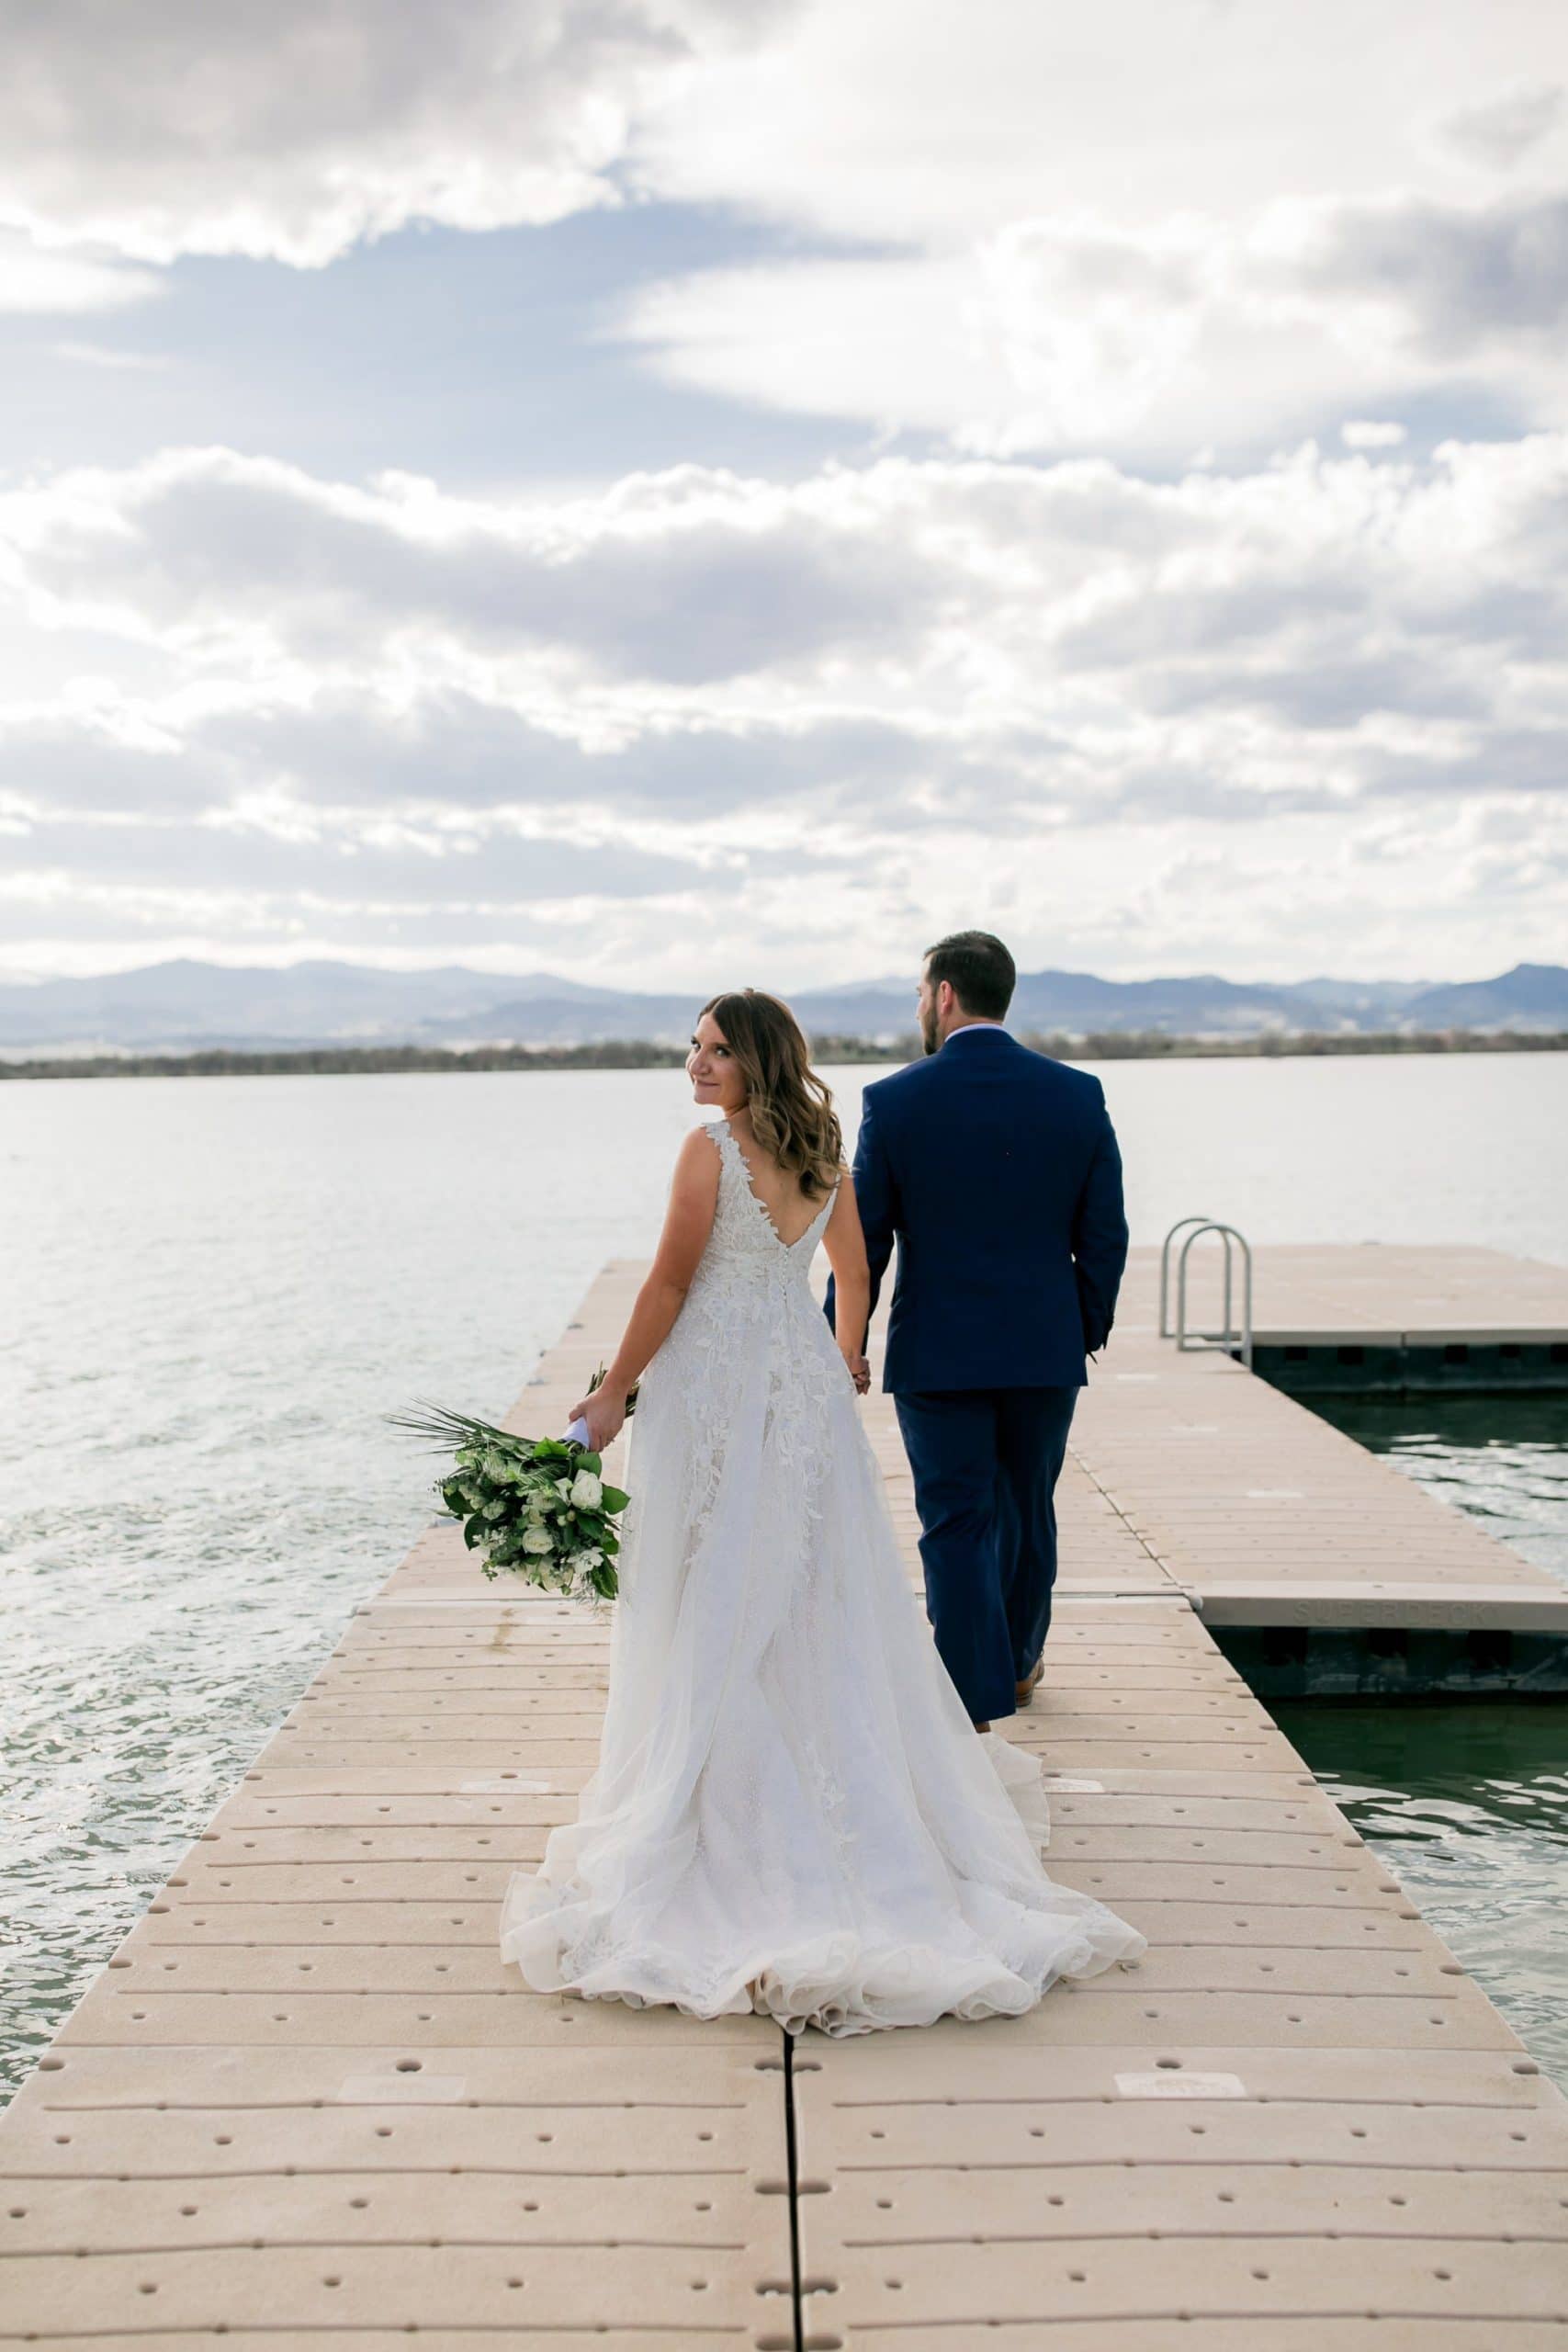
537	1506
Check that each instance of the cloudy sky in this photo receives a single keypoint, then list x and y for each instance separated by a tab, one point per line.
682	491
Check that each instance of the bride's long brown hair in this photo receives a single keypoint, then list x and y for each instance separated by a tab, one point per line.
792	1111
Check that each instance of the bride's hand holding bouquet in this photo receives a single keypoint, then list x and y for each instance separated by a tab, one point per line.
604	1411
538	1508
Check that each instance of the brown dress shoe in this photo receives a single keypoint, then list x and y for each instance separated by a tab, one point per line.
980	1727
1026	1689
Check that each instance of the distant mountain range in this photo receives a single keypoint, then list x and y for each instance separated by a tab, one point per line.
181	1006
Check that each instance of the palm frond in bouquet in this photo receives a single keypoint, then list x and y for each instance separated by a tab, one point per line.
536	1508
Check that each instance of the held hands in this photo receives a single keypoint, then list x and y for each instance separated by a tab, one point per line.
858	1368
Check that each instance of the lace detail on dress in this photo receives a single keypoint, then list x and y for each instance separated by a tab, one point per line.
791	1811
746	1282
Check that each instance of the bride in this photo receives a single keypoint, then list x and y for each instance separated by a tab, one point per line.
792	1812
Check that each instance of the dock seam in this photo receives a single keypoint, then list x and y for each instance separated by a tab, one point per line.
791	2158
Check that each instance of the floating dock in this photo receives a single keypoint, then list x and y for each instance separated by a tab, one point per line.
305	2103
1320	1566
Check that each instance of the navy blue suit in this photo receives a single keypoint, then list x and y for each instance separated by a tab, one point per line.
996	1171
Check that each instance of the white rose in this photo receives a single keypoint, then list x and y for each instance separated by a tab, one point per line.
587	1491
538	1539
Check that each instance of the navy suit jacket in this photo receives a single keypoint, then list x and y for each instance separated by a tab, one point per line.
996	1171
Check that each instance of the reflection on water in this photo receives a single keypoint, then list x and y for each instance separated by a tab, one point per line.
1469	1805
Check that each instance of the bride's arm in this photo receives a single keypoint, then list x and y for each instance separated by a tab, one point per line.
845	1243
688	1221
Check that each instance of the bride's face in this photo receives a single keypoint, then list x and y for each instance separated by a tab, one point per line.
712	1069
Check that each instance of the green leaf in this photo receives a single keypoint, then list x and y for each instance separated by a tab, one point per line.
616	1498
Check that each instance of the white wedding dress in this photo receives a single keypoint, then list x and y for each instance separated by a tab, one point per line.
792	1812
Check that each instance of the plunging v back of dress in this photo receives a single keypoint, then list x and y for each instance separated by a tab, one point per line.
792	1812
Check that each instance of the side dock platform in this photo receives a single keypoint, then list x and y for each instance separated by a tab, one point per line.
304	2105
1321	1568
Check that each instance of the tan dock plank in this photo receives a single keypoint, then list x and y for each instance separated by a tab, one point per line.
261	2330
345	2285
1201	2277
1379	2332
1001	2203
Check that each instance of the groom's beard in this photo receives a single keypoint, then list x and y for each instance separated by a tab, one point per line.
929	1037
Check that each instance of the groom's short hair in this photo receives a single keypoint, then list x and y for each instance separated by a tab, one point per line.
980	972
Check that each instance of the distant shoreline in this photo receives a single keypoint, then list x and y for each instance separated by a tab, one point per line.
1123	1044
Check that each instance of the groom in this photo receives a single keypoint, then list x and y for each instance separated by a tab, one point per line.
997	1172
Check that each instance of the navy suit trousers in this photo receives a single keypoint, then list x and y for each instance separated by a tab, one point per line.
986	1463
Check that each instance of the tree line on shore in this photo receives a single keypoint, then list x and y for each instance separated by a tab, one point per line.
632	1053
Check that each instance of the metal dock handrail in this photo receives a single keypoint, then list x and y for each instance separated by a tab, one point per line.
1232	1338
1166	1330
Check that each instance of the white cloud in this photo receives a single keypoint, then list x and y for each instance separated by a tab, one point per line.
934	127
1135	724
1450	285
688	577
1065	333
1501	132
98	355
1048	336
35	280
1188	226
929	592
1371	433
290	129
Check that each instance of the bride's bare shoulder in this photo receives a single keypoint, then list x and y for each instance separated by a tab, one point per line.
696	1162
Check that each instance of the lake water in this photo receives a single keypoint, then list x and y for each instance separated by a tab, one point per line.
216	1290
1469	1802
